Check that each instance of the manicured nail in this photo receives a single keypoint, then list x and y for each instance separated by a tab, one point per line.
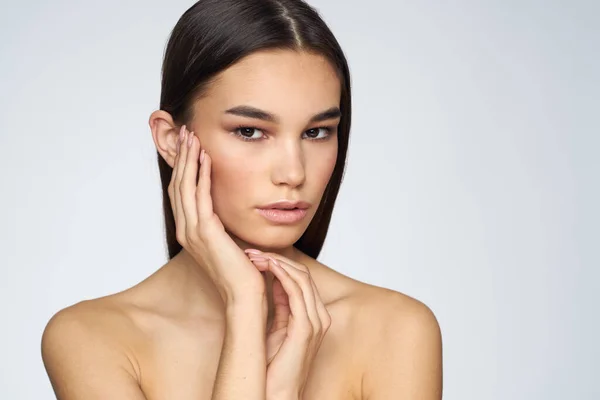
253	251
258	258
274	261
202	156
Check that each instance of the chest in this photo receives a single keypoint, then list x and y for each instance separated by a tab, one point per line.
180	366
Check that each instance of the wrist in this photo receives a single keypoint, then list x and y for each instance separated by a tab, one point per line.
237	297
243	306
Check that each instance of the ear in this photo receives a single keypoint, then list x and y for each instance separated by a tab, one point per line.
164	133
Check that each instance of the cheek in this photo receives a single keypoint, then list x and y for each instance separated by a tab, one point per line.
231	179
322	164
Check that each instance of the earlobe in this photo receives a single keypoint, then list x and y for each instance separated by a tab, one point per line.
164	133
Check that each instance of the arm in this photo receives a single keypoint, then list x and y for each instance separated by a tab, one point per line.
83	364
408	364
242	368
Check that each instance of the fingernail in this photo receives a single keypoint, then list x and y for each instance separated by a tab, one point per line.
258	258
202	156
275	261
253	251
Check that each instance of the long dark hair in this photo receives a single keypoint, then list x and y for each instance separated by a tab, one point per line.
214	34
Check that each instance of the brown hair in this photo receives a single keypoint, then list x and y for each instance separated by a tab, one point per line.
213	35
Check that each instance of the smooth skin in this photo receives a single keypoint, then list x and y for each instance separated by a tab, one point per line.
239	312
202	234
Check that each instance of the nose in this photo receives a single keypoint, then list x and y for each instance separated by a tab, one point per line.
288	167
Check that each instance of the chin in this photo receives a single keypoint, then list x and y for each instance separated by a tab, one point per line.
270	238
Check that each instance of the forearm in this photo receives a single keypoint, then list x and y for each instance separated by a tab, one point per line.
242	368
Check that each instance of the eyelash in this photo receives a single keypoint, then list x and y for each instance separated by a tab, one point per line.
236	133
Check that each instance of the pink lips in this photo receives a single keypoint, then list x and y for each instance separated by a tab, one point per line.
284	211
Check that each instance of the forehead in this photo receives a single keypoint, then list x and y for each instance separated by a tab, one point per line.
285	82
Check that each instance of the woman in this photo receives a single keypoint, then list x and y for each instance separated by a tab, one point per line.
251	136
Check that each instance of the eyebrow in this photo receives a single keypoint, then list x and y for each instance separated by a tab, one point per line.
252	112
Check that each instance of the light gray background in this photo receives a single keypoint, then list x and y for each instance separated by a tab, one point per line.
472	181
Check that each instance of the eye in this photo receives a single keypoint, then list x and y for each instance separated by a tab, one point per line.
318	133
248	133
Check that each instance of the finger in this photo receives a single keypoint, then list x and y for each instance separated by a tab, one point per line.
302	275
296	301
302	267
293	263
188	180
280	298
281	304
324	316
178	208
172	181
261	263
299	306
203	197
321	309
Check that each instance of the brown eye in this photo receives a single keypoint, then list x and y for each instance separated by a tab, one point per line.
312	133
248	133
315	132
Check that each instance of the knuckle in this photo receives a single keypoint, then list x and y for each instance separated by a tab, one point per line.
305	278
202	232
183	186
297	291
177	179
318	331
181	238
327	322
190	233
303	268
306	331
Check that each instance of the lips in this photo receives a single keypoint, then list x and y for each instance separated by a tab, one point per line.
284	211
286	205
283	216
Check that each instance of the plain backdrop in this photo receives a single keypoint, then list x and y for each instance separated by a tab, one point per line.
472	180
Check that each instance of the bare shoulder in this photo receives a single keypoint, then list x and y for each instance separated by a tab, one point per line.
87	347
388	309
401	344
373	305
104	319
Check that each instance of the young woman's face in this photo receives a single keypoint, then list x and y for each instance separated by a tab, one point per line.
270	124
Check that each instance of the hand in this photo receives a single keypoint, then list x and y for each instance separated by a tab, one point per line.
300	323
200	231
